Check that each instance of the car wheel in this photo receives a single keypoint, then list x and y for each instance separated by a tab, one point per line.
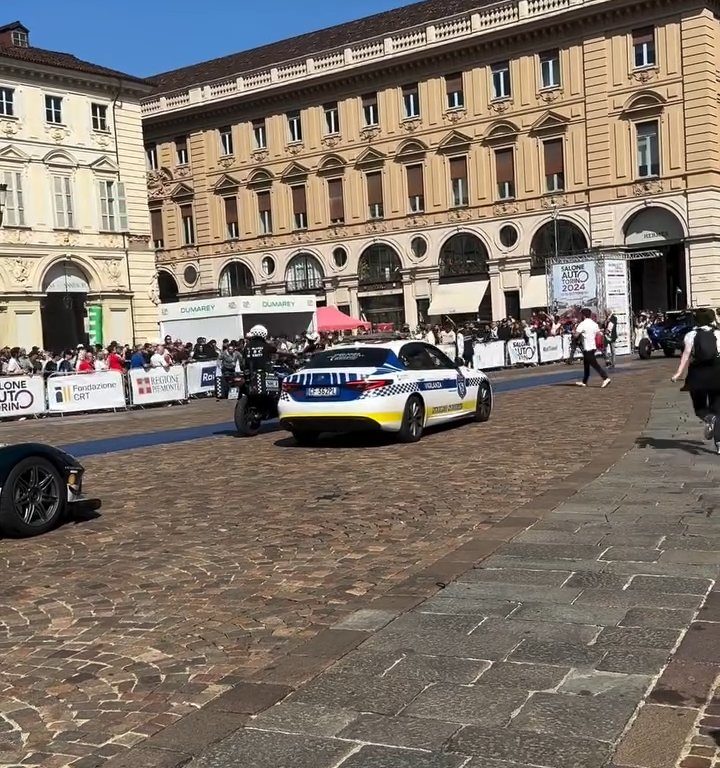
483	408
668	352
644	349
33	498
305	437
247	418
413	420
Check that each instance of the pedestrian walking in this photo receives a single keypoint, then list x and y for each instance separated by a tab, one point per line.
587	333
701	360
610	331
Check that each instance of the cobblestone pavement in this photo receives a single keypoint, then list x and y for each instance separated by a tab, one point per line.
218	567
590	639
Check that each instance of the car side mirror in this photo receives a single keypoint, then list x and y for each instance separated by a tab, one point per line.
459	362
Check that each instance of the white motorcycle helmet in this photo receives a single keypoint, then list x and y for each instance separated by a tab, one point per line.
313	336
258	331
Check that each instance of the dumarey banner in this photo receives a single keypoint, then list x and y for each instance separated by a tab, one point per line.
574	285
22	395
617	302
158	385
86	392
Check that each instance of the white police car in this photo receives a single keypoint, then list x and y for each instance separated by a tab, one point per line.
395	386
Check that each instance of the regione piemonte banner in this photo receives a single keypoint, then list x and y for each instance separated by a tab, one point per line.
575	285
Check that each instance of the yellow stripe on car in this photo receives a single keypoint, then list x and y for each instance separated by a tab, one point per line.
380	418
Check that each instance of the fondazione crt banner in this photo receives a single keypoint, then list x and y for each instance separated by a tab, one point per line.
574	285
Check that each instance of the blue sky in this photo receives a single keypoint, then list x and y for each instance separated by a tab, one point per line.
144	37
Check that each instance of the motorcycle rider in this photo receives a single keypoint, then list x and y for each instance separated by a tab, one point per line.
258	350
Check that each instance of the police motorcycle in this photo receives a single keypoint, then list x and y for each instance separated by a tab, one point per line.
258	385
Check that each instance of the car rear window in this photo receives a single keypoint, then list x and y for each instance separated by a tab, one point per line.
349	357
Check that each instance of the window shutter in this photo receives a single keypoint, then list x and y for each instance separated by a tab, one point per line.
122	207
645	35
299	199
231	210
19	207
104	210
458	168
156	224
415	181
374	188
505	166
553	151
263	201
453	83
335	193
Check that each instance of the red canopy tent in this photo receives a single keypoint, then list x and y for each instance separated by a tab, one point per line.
332	319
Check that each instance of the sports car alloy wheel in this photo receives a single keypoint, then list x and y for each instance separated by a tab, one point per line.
413	421
484	403
33	498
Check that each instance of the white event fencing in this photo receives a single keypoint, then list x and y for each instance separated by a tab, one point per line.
59	393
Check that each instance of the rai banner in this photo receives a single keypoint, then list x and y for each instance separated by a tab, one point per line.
158	385
575	285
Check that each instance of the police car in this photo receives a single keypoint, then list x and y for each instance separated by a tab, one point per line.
399	386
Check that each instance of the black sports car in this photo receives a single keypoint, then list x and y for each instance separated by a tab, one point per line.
37	483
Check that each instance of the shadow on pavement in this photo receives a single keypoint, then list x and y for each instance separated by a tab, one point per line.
694	447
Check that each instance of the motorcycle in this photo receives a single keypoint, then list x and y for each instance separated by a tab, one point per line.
258	394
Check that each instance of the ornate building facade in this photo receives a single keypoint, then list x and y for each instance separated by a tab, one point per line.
429	160
75	228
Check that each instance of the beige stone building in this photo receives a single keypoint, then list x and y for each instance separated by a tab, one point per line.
74	241
429	160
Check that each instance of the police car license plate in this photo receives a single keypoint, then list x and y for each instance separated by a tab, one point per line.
322	391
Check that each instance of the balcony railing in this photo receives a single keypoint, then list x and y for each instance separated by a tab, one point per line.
463	25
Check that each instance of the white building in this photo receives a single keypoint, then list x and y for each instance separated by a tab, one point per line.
75	227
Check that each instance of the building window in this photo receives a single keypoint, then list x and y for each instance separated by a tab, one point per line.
98	113
332	119
63	199
648	149
299	202
7	99
416	188
53	109
505	173
181	150
411	101
337	202
231	217
226	141
188	224
113	210
501	80
156	226
151	157
19	38
265	212
643	47
294	126
14	213
371	113
259	134
554	165
459	181
375	195
550	69
454	91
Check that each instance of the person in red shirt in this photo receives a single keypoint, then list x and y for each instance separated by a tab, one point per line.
87	364
114	360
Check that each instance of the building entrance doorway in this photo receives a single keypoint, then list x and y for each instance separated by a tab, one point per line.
659	283
62	309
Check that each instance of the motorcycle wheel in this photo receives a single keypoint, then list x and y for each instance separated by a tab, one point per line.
247	418
644	349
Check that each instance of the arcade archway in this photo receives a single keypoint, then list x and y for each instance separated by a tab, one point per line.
62	308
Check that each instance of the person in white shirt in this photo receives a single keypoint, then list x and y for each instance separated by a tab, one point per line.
447	335
13	367
158	360
101	361
586	332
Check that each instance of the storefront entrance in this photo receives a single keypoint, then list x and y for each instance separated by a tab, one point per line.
383	309
62	309
657	283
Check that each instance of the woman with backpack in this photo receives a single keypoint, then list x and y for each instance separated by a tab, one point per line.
701	360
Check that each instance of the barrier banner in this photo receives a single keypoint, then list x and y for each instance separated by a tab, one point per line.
86	392
158	385
551	349
22	395
201	377
490	355
521	351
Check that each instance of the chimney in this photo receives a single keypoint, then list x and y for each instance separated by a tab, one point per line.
14	34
